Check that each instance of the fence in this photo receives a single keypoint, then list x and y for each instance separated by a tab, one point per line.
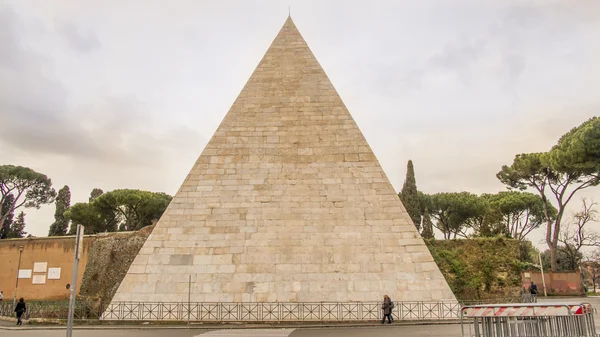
278	312
237	312
52	310
522	320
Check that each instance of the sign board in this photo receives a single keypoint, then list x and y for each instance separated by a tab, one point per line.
38	279
528	275
24	273
54	273
40	267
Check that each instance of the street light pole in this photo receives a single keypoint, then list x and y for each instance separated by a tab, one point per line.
543	279
18	268
74	274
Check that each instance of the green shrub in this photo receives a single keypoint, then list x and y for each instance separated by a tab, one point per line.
482	267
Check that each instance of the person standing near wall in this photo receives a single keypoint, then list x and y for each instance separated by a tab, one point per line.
1	296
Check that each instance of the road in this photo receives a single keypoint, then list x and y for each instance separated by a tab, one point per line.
444	330
451	330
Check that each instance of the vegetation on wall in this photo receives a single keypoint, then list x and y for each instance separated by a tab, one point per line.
109	259
482	268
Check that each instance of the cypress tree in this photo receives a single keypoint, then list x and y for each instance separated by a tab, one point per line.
17	229
8	210
410	196
427	232
61	223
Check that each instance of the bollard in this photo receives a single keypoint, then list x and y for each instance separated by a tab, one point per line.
530	319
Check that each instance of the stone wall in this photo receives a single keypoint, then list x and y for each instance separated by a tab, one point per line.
480	268
48	253
108	261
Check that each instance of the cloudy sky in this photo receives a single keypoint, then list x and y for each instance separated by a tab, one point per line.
125	94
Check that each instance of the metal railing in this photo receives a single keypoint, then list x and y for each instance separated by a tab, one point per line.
277	312
52	310
240	312
529	319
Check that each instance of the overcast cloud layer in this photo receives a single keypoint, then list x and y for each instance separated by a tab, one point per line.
126	94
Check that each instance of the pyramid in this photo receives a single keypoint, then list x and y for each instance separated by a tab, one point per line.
287	203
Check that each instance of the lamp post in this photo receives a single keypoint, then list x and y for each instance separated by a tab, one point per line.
18	268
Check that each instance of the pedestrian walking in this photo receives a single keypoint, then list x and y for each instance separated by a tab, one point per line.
20	309
533	288
392	305
387	309
1	296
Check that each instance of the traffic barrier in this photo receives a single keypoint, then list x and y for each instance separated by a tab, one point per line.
530	319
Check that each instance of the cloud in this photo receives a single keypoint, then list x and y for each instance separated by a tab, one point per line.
38	118
84	41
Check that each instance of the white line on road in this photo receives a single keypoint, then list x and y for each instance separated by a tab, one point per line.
249	332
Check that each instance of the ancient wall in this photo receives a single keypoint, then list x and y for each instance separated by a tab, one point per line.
556	283
108	261
479	268
41	259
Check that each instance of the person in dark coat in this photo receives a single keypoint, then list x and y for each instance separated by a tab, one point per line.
387	309
20	309
533	289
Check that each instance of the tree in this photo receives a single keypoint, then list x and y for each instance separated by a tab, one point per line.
410	196
136	208
17	229
7	209
28	187
571	165
427	232
125	210
591	268
518	213
575	236
453	212
61	223
94	220
564	263
96	192
489	224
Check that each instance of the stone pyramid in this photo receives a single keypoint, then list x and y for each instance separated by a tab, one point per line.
287	203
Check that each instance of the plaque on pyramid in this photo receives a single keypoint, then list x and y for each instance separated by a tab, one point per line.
287	203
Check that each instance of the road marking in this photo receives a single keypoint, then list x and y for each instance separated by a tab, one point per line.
249	332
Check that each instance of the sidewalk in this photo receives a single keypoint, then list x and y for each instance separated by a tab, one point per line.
10	325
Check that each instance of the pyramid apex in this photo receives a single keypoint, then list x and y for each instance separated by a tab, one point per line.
289	21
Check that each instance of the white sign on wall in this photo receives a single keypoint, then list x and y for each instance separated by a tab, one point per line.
38	279
24	273
40	267
53	273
